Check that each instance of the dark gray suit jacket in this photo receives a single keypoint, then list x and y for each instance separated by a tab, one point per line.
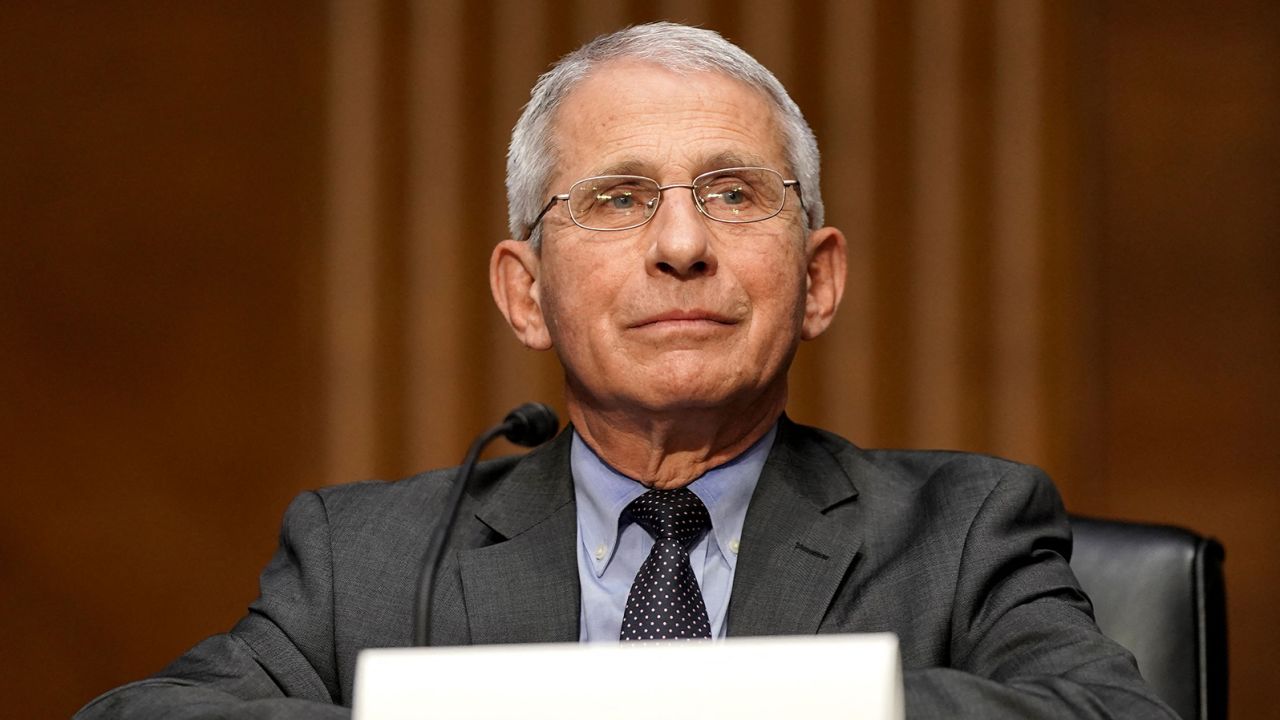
963	556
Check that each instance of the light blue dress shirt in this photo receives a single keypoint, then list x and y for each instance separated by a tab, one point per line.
611	550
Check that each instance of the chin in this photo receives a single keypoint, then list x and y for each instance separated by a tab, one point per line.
675	396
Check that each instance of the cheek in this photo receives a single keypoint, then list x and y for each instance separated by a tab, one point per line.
778	285
574	300
555	311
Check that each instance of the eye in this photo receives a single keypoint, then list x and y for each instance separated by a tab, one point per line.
612	202
733	196
616	200
618	195
729	191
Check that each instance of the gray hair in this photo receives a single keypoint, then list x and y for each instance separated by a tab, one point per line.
531	158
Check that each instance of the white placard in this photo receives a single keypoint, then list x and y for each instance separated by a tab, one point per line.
852	677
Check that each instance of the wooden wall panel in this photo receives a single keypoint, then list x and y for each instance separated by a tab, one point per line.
936	298
352	245
435	320
160	205
244	251
846	123
1018	320
1189	294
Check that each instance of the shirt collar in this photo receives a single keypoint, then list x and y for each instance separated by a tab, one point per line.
602	493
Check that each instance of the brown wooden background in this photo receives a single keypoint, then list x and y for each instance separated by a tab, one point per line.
243	247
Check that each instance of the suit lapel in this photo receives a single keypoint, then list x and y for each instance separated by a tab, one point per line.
524	587
797	547
798	542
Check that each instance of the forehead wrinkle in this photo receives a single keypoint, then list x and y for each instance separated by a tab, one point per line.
706	162
709	162
752	138
733	158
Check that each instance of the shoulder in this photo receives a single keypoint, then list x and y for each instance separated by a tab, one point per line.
922	478
408	499
910	466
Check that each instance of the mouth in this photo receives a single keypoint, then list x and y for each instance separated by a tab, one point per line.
684	318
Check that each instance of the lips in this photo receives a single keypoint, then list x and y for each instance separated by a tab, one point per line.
677	317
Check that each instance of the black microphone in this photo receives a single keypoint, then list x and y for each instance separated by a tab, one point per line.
528	425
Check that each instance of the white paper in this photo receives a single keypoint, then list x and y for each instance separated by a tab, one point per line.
851	677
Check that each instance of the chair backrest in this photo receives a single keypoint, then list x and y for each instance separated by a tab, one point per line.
1158	591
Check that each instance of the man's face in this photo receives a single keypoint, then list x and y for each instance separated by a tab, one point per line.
683	312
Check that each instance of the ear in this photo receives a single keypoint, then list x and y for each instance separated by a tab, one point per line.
825	280
513	278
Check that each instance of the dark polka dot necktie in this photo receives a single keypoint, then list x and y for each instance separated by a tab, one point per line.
665	601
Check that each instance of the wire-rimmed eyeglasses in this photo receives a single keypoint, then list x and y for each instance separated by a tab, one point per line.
623	202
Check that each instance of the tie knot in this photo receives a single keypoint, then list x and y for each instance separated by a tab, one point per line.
671	515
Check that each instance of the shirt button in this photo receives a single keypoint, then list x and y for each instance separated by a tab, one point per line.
600	551
733	545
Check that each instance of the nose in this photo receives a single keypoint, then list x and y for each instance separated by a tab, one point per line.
679	238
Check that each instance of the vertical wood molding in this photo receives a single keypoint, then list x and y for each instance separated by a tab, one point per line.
848	358
690	12
522	31
765	29
589	18
937	232
1070	222
435	330
1017	396
351	248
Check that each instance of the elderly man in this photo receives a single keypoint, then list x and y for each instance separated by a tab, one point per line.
669	247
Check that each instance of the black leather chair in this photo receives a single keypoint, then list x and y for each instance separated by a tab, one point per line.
1158	591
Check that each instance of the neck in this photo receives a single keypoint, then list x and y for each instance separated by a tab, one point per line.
670	449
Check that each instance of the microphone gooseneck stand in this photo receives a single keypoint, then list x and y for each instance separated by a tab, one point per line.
528	425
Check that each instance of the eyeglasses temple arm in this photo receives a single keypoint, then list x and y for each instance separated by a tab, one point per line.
528	233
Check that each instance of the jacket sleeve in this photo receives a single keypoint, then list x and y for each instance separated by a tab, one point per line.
1023	642
277	662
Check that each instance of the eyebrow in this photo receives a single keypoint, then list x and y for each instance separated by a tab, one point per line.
724	159
628	166
732	159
